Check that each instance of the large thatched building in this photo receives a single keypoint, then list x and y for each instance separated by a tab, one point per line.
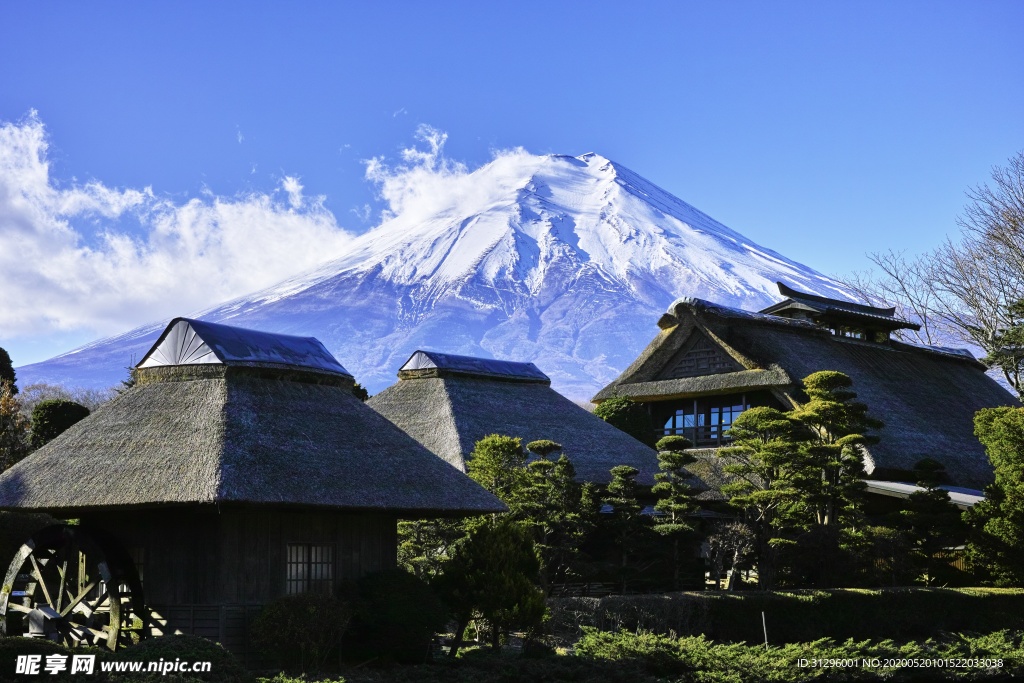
448	403
709	363
239	468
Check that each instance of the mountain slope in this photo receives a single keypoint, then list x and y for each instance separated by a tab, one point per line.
563	261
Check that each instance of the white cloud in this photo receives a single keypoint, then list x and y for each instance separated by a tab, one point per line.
186	256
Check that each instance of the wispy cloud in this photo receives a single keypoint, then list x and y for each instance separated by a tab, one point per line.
240	136
400	111
56	274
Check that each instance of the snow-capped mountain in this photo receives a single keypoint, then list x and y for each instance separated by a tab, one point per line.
563	261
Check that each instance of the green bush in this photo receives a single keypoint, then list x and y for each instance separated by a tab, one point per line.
630	417
52	418
796	616
301	631
396	617
224	666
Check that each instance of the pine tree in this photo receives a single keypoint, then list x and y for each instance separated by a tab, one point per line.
13	427
492	576
832	460
559	509
424	545
631	417
52	418
627	524
764	459
7	373
498	464
931	520
675	495
996	537
1006	347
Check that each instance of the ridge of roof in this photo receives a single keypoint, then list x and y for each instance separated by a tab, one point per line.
806	297
187	341
471	365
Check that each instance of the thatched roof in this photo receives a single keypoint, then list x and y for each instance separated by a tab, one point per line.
926	396
451	406
240	432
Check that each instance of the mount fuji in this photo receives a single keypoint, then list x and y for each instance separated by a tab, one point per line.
563	261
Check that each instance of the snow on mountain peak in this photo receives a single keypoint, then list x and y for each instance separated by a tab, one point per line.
563	261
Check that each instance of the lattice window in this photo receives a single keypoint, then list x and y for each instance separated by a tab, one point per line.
310	568
703	358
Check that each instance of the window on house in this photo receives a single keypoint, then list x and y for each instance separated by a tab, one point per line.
706	421
310	568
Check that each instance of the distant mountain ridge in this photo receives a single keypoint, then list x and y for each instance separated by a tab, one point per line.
563	261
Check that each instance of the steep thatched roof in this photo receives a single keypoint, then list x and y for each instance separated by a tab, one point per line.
240	432
926	396
452	405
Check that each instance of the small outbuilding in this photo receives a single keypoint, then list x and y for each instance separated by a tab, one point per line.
448	403
239	468
709	363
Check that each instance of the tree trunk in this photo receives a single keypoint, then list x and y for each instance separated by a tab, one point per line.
457	643
675	564
495	636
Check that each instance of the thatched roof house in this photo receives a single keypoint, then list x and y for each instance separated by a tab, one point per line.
226	416
708	363
448	403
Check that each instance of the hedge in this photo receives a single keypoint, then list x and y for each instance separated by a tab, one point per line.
796	616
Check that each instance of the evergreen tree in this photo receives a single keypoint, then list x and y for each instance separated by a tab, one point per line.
1006	347
52	418
424	545
764	459
13	428
629	416
492	576
675	500
832	460
996	537
128	382
559	509
627	524
497	464
7	373
360	392
931	520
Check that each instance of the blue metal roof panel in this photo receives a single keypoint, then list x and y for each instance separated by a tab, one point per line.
422	360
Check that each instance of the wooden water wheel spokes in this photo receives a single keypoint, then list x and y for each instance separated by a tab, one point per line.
72	585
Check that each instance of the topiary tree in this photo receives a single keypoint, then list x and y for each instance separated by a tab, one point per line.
497	464
52	418
560	511
763	460
629	416
931	520
492	576
14	443
627	525
996	536
7	373
301	631
675	497
395	618
360	392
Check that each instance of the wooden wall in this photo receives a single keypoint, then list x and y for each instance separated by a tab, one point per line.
216	563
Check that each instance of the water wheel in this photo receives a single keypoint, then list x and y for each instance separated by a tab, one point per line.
72	585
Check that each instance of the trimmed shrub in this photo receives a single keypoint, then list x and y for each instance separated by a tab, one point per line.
630	417
52	418
796	616
224	666
301	631
396	617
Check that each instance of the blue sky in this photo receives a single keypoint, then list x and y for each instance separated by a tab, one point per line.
821	130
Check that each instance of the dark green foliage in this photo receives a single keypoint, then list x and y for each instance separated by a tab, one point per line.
996	540
764	459
675	497
497	464
395	618
14	443
627	526
492	576
931	521
224	667
629	416
360	392
7	371
52	418
424	544
797	616
301	631
560	511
